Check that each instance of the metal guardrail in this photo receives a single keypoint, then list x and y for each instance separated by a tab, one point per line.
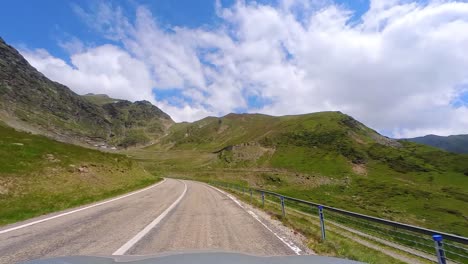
440	246
417	229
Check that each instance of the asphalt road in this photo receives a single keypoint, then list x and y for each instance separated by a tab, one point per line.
172	216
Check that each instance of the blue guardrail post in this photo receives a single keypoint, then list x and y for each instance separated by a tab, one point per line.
263	199
251	196
322	222
439	249
282	206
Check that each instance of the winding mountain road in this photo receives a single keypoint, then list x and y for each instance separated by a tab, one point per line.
172	215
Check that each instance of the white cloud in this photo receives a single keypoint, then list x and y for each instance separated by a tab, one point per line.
105	69
73	45
398	68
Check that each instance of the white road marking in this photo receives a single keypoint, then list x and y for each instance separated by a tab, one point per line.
78	210
290	244
285	241
150	226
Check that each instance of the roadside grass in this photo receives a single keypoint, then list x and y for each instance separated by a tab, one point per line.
39	175
336	244
394	198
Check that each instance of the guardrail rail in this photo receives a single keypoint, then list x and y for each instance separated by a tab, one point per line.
433	245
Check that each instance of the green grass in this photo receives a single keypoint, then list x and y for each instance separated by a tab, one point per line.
310	161
428	199
336	244
39	175
325	157
304	219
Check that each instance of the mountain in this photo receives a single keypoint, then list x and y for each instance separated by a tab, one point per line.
455	143
327	157
31	102
140	122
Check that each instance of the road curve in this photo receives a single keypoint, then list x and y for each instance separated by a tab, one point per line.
208	220
204	219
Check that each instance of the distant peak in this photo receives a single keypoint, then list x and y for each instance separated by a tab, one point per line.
143	102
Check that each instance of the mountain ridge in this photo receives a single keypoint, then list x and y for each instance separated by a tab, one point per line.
452	143
30	101
326	157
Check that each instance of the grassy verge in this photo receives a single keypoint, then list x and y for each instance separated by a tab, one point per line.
338	241
39	175
381	196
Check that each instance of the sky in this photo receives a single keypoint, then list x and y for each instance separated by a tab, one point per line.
398	66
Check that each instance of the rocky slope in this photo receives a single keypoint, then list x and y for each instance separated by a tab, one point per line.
140	122
30	101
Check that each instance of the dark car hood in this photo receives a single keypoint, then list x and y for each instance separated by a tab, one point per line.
194	258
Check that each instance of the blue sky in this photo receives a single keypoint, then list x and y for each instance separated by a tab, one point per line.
396	65
44	24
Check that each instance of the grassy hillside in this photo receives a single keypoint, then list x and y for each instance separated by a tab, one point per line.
325	157
39	175
455	143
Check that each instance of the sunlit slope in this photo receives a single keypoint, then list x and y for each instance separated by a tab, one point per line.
328	157
284	142
39	175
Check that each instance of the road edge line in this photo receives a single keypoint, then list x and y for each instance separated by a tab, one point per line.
290	245
80	209
123	249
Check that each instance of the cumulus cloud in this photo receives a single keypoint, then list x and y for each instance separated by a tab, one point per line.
398	68
105	69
